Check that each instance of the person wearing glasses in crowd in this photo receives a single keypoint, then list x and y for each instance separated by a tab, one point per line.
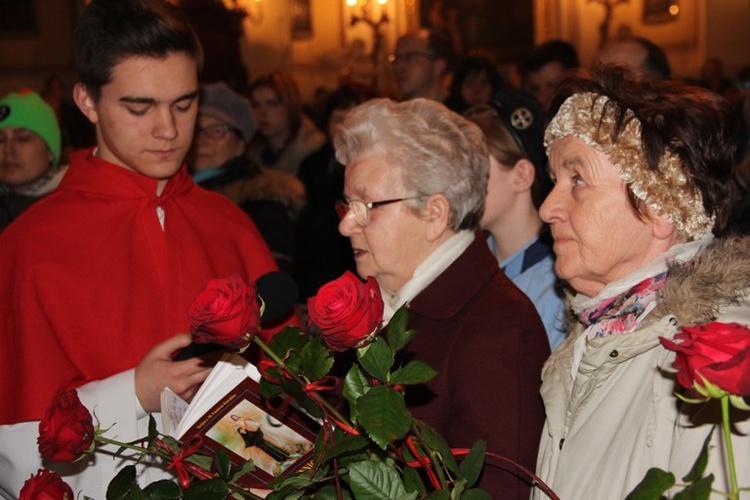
421	63
414	188
218	162
513	124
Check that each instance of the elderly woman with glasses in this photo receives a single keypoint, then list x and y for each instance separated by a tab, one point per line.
643	184
415	182
219	163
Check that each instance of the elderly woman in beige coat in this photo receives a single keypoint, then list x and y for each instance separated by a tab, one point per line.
643	175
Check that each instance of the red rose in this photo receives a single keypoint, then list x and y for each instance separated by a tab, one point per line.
718	352
226	313
67	431
45	485
347	311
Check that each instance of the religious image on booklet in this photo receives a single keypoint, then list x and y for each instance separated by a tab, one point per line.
238	420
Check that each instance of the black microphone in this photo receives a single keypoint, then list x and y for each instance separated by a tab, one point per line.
276	289
279	293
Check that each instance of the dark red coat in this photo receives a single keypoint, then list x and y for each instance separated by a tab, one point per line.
485	339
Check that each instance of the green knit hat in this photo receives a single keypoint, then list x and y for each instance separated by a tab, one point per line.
26	109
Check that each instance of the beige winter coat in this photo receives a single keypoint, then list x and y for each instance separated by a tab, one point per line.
621	416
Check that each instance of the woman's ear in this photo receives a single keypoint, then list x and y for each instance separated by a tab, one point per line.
85	102
662	228
436	214
523	175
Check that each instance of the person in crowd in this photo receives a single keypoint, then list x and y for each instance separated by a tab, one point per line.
414	190
322	253
474	82
218	161
29	153
639	54
642	175
421	64
76	131
546	66
285	136
513	125
98	276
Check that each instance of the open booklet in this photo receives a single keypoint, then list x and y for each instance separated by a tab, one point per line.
230	413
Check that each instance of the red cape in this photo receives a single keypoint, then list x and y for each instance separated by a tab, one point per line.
90	280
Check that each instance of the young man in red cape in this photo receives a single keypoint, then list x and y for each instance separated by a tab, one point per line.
97	277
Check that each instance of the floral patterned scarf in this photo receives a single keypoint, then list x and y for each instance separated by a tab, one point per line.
622	313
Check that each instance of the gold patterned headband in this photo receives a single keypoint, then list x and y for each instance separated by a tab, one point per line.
666	191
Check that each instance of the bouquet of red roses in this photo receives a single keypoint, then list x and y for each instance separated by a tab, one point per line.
374	449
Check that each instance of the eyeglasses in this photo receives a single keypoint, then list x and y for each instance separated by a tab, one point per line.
408	57
361	210
217	131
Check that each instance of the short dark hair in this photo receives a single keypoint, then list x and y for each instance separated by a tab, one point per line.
693	123
348	95
441	47
108	31
469	66
656	62
552	51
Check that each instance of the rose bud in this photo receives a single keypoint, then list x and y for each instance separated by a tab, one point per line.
347	311
226	313
716	352
67	430
45	485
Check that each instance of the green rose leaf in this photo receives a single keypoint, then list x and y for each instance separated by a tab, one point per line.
285	485
472	465
316	360
435	441
699	467
290	339
371	480
247	466
415	372
347	444
653	485
355	386
293	389
153	431
438	495
123	484
396	333
201	460
376	359
162	490
211	489
222	464
476	494
383	414
173	444
268	389
329	493
699	490
412	481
